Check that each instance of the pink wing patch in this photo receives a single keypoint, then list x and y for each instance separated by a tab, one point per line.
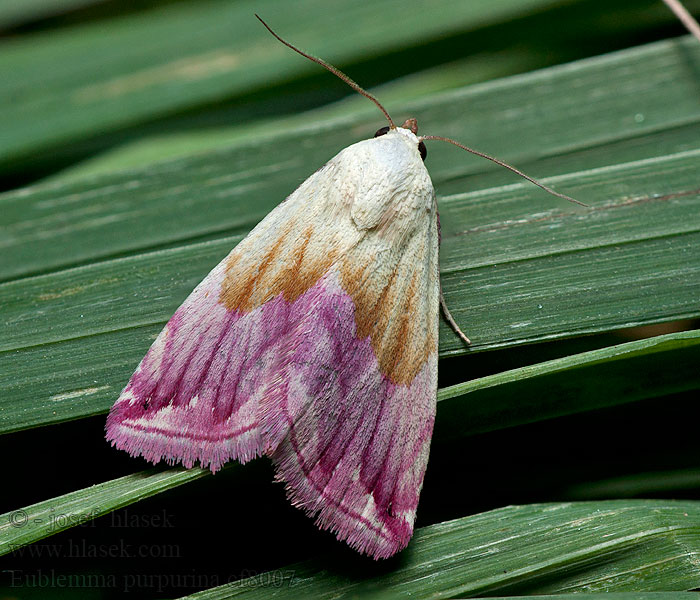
351	445
290	380
193	397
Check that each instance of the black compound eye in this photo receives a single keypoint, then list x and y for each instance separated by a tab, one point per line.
423	150
382	131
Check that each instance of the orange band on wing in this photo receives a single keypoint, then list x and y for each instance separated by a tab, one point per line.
385	311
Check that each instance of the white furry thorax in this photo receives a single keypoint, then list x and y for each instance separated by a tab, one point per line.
390	171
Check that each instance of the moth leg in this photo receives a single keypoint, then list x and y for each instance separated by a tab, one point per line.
451	321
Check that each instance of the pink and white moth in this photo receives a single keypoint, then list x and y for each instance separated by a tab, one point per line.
314	342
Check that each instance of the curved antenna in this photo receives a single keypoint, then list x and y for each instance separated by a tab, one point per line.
685	17
506	165
360	90
337	72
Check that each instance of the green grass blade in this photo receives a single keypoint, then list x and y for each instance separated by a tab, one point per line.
597	596
20	12
611	546
552	271
31	523
527	119
587	381
73	84
629	372
540	548
521	550
462	411
633	259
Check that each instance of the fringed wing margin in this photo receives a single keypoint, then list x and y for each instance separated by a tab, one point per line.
351	445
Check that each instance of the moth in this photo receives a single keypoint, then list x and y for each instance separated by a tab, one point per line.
314	342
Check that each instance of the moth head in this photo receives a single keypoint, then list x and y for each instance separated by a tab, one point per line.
412	126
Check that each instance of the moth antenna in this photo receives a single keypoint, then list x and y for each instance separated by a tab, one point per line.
506	165
685	17
337	72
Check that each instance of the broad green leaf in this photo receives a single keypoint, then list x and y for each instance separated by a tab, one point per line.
633	259
626	372
611	546
190	65
623	545
26	525
160	146
528	119
590	380
18	12
86	374
630	372
190	53
277	579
